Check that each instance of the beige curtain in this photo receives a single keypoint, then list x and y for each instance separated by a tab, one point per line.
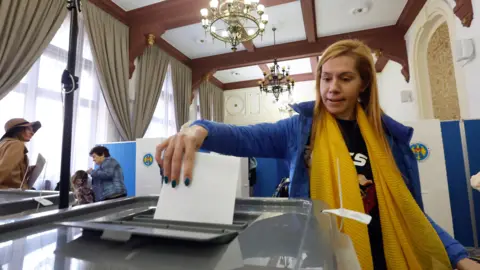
26	29
182	91
205	93
218	105
211	102
109	40
151	71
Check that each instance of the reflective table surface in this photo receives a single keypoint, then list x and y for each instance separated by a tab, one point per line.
281	234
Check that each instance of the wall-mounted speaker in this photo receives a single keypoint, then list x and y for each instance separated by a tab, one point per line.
406	96
464	51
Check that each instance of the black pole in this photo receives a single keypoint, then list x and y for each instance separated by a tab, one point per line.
70	84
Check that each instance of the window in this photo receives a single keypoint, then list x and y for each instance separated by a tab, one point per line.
39	97
163	124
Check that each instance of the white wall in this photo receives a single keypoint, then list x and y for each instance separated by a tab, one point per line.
433	14
390	84
471	70
254	107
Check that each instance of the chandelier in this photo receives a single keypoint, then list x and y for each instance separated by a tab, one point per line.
234	21
278	81
284	105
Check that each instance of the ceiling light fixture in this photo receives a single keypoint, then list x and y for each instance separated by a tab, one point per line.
231	21
279	80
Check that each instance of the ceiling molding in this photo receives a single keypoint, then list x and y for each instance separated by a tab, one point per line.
381	63
314	63
264	68
112	9
206	77
178	13
254	83
308	12
138	42
173	51
249	46
146	20
464	11
216	82
171	13
409	13
390	40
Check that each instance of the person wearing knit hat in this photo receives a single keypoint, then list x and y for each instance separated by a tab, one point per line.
13	153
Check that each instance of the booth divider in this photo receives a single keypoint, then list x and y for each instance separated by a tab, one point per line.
457	182
472	134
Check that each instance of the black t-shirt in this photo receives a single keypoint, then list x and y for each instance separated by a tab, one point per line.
359	153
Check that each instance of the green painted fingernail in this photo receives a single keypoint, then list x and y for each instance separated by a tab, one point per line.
187	182
166	179
174	183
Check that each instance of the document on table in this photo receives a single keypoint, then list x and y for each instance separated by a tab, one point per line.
210	198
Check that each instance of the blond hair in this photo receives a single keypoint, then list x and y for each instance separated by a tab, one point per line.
365	66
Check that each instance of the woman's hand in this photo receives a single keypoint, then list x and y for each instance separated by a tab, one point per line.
178	149
468	264
475	181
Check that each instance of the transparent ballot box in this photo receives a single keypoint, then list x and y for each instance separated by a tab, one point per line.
267	233
15	203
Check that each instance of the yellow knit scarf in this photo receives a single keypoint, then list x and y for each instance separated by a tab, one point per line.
409	240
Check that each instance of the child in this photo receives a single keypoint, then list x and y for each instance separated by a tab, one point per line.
83	193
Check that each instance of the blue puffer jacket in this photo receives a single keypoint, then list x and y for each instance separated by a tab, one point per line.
287	138
107	180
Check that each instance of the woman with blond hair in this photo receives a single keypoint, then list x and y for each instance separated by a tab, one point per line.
345	124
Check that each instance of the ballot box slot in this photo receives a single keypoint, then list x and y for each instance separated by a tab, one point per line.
126	231
213	228
142	224
236	223
239	218
183	225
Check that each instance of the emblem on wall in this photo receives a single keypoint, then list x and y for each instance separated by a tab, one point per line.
420	151
148	160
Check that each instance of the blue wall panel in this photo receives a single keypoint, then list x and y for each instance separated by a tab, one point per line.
269	174
457	185
125	154
472	132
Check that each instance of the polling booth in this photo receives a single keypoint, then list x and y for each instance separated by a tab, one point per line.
270	172
427	145
124	153
148	179
147	173
472	135
448	155
142	174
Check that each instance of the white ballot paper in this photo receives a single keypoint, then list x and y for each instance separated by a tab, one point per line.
210	198
36	171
